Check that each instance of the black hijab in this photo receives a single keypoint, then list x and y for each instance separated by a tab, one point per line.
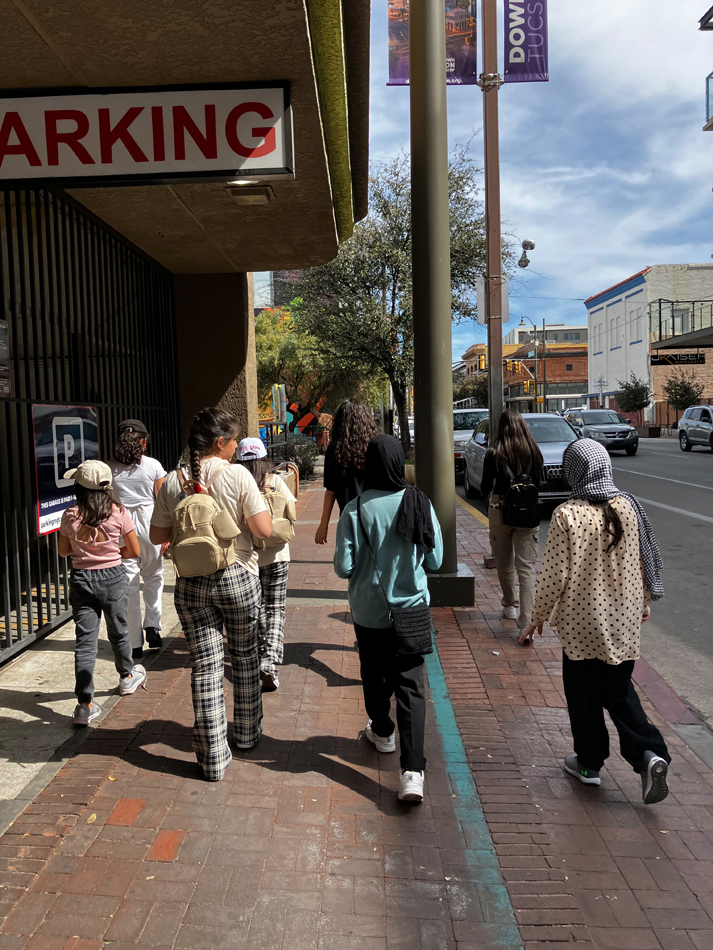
384	471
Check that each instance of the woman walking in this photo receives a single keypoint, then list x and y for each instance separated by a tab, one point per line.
137	482
228	598
513	453
352	430
89	533
273	564
385	540
602	568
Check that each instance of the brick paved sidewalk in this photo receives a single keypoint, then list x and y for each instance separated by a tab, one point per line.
304	844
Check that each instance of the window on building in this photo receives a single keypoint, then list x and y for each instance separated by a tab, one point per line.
522	337
568	367
572	336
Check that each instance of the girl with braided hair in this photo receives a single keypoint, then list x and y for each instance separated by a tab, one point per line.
228	599
602	567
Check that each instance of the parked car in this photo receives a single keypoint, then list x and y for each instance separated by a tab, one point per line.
551	432
695	427
606	426
465	421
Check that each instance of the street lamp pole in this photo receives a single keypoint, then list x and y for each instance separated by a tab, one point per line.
544	367
534	343
490	83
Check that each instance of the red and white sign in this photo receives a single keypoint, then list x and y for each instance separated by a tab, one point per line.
126	136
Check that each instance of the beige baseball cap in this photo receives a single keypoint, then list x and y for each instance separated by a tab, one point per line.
91	474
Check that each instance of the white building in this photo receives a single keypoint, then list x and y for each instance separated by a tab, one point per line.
555	333
618	320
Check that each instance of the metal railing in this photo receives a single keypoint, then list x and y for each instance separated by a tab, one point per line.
89	322
671	318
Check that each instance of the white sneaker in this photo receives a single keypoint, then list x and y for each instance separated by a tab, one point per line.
411	786
129	684
510	613
383	745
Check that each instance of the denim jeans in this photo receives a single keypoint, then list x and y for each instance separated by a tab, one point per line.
91	594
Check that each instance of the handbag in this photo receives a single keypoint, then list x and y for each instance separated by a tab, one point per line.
413	626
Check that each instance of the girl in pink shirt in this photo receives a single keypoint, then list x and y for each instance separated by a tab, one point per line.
89	533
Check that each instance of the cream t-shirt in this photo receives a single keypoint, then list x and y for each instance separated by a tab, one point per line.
282	552
233	487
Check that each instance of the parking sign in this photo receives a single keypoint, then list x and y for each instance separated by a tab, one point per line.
64	437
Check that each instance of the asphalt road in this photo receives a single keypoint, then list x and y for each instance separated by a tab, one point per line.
676	489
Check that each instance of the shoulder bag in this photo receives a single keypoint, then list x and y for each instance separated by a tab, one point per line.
412	625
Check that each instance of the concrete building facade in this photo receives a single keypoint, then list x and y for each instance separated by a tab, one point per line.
622	332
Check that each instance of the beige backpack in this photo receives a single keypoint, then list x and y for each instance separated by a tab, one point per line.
283	514
202	534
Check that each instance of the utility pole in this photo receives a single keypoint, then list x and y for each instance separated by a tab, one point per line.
490	83
433	378
544	367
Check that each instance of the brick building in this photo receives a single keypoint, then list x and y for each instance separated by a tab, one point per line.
564	369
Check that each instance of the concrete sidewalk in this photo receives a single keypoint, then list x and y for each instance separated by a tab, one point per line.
304	844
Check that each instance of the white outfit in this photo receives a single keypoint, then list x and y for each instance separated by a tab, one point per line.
281	553
134	489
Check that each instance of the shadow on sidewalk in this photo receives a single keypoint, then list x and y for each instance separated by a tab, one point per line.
301	654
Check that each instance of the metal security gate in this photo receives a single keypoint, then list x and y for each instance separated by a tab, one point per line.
89	321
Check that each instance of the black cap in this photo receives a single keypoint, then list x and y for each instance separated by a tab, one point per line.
133	425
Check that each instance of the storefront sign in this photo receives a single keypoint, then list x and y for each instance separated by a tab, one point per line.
4	360
526	58
64	437
461	43
677	359
123	136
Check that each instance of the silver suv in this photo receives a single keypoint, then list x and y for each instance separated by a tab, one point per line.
696	428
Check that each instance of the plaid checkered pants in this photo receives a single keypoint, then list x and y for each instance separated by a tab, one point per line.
205	605
271	626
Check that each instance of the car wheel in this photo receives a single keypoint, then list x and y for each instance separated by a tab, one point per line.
684	442
470	492
631	450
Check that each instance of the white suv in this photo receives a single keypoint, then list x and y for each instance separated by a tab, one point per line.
696	428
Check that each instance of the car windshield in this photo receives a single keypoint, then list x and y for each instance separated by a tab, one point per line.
466	420
550	430
600	418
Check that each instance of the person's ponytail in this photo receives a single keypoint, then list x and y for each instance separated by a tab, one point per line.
207	427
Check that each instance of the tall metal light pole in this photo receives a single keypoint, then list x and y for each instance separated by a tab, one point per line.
534	343
544	367
490	83
433	378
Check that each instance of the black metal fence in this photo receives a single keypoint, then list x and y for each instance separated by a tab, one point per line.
89	322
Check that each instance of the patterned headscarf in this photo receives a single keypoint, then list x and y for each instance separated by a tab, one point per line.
586	466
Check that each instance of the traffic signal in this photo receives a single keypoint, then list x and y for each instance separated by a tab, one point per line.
518	366
508	365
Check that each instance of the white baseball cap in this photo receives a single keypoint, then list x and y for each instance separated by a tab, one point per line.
91	474
252	449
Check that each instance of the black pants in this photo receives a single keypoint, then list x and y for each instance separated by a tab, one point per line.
385	674
591	686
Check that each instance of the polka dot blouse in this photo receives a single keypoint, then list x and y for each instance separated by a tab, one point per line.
592	599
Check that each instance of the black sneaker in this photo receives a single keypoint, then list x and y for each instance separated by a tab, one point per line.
585	776
137	653
653	779
153	638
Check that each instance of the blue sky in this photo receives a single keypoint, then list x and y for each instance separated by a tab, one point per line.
605	167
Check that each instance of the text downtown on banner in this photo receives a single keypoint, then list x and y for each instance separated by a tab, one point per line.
525	33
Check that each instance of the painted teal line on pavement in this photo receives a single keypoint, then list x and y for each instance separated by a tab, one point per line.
500	923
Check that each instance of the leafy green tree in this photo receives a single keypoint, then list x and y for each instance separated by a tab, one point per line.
472	387
314	376
359	305
682	389
634	394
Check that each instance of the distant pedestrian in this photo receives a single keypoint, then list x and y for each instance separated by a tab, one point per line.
137	482
89	534
602	568
273	558
227	597
352	430
514	453
386	539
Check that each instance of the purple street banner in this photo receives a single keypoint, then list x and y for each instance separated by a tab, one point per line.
461	42
526	41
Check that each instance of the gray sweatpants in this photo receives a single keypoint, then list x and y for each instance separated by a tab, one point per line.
93	593
515	553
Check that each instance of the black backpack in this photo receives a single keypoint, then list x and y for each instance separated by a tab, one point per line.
520	505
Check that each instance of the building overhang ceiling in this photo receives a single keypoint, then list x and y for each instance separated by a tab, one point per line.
200	228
